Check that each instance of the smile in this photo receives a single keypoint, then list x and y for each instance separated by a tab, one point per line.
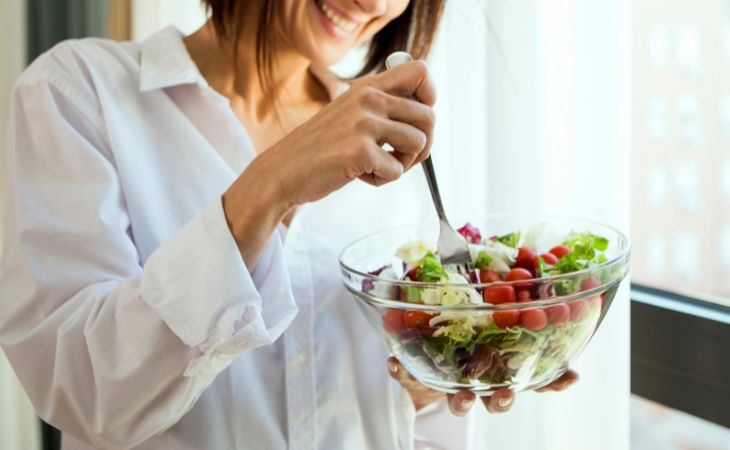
336	19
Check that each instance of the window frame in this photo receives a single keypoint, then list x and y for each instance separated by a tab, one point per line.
666	366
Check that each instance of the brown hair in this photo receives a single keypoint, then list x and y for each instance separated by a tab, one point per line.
414	31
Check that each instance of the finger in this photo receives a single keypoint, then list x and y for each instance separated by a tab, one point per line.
411	79
403	137
400	374
461	402
423	155
379	167
563	382
417	115
410	111
396	370
499	402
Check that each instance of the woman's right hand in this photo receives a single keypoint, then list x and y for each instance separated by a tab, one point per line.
339	144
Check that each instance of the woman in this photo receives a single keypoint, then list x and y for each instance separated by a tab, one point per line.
169	281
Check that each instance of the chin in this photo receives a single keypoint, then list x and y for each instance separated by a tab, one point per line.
324	56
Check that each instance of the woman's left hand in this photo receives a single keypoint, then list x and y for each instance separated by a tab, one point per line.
461	402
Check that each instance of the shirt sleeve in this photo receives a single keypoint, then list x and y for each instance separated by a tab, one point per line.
109	350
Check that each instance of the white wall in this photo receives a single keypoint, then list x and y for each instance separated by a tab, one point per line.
149	16
540	124
18	425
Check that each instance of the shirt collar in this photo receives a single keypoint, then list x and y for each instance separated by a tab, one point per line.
165	62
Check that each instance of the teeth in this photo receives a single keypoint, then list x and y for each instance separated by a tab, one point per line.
335	18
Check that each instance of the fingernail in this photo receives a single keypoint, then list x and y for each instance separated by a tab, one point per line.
504	402
393	368
466	404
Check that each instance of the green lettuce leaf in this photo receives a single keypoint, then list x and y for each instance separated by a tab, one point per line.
430	269
587	251
511	239
483	260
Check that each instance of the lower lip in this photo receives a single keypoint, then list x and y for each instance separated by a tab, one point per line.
331	28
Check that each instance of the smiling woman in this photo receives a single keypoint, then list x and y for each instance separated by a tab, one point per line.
400	25
186	305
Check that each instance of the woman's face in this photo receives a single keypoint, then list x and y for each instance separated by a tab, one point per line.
323	31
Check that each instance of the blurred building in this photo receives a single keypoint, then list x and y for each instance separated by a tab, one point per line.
681	145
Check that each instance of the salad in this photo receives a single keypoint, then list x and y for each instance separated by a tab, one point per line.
505	346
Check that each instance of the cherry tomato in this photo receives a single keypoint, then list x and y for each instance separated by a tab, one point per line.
523	296
558	314
488	276
518	273
549	258
499	294
596	300
589	283
560	251
393	321
507	318
527	259
578	310
534	319
416	319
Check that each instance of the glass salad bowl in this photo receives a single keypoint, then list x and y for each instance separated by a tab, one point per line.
517	317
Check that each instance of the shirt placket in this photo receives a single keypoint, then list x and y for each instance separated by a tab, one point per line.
299	350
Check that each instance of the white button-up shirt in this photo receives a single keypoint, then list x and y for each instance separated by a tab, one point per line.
125	307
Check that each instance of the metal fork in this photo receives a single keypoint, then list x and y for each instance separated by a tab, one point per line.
452	247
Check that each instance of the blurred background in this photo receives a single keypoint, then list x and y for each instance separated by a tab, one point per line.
616	111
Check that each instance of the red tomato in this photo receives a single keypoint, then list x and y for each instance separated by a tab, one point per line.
507	318
534	319
558	314
589	283
416	319
549	258
488	276
523	296
578	310
527	259
393	321
499	294
560	251
518	273
596	300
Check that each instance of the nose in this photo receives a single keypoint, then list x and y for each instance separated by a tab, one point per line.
373	8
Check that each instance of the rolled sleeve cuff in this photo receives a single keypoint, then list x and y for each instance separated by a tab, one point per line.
199	285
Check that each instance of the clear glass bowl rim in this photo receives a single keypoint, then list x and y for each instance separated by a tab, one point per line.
621	257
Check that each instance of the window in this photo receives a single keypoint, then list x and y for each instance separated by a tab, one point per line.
681	147
680	225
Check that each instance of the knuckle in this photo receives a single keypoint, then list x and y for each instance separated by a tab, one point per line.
420	67
362	124
362	151
370	96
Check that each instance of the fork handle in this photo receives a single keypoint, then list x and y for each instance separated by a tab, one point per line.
396	59
427	165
